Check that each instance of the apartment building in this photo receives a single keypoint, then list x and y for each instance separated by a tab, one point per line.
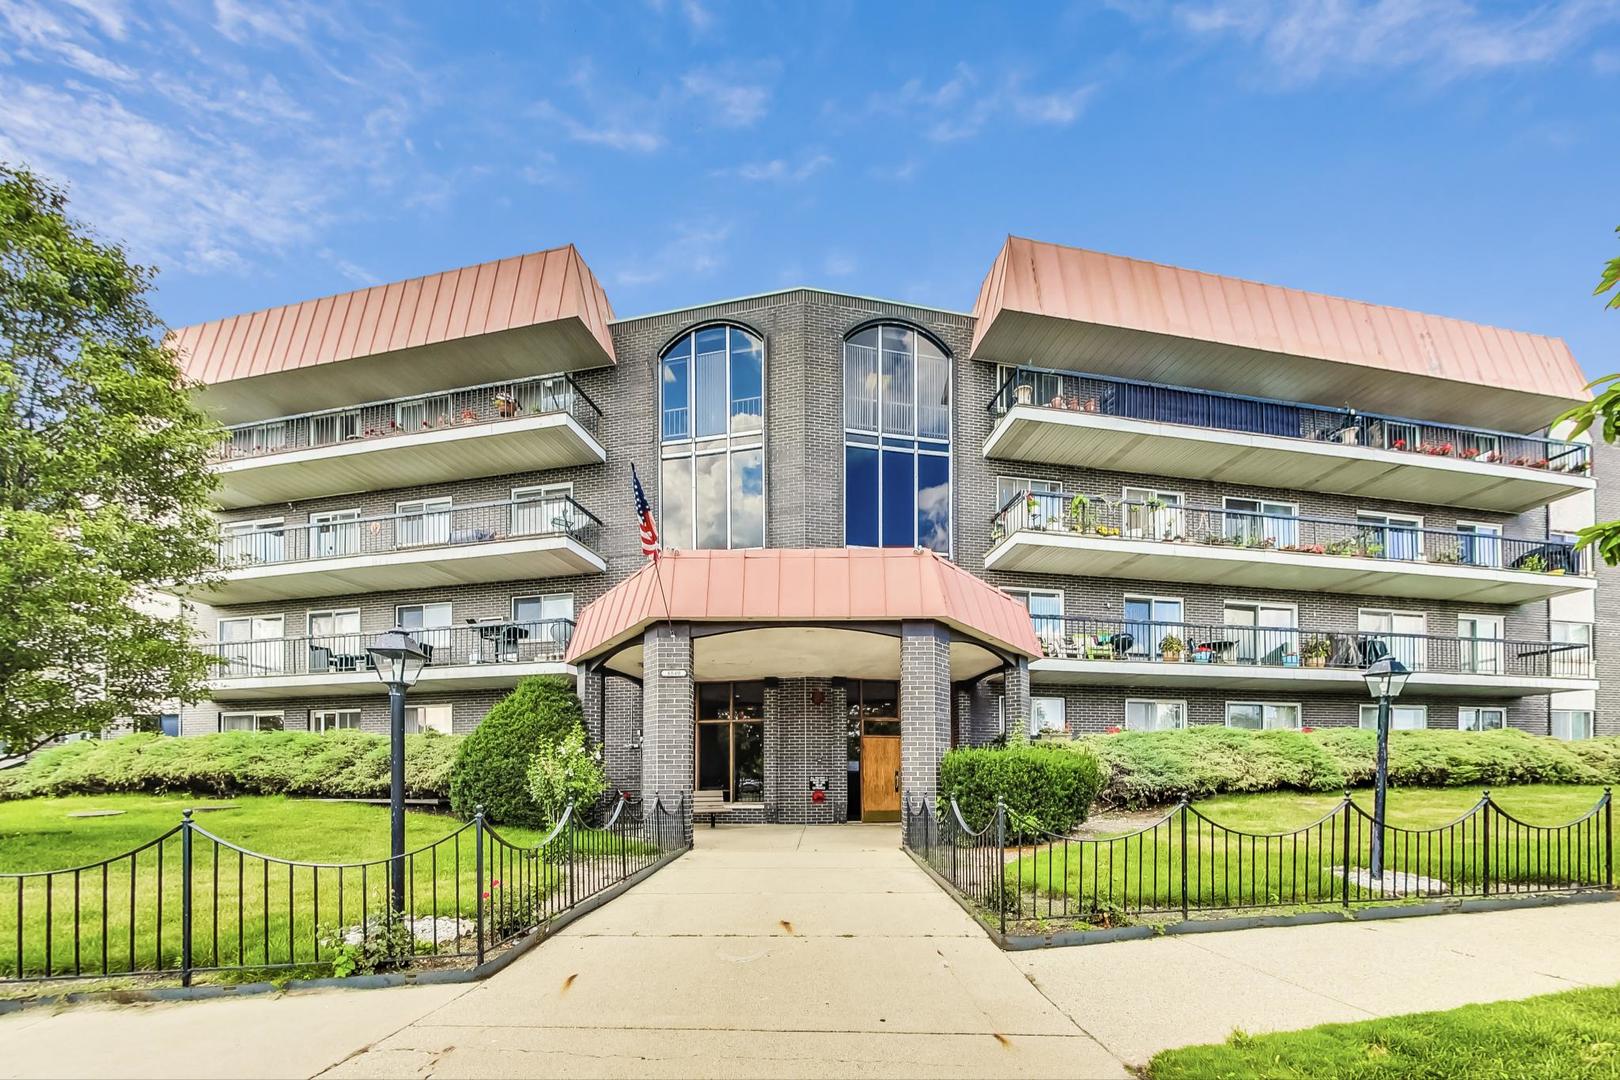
1217	501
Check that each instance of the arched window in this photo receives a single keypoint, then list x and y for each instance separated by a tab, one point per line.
897	440
712	419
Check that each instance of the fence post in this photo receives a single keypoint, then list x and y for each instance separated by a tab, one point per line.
568	834
1608	838
1182	810
1485	835
478	884
185	899
1001	862
1345	875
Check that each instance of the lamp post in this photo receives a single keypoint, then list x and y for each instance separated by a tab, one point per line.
398	659
1386	678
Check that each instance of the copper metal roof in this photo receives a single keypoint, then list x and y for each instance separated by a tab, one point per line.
810	585
1050	282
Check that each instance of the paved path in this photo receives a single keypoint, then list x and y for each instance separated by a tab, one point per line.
817	952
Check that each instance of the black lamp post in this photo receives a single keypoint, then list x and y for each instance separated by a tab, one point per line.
1386	679
398	659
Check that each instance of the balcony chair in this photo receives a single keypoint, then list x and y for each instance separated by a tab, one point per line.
1094	646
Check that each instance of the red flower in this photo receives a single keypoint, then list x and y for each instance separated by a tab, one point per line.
486	895
495	884
1399	444
1115	730
1307	730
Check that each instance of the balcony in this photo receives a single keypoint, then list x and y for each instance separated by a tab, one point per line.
436	543
491	430
477	656
1092	536
1125	426
1257	659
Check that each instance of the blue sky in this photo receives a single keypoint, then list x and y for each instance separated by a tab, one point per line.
1455	157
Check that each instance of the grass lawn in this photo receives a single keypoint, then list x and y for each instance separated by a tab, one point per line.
247	910
1256	854
1567	1036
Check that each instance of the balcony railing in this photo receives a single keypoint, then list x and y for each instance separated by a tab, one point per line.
1107	396
329	654
1099	516
471	405
431	526
1149	641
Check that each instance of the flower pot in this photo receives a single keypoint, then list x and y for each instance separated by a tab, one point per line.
1170	657
1025	393
1316	661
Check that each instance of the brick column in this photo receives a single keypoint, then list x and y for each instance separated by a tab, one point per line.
925	707
666	713
980	723
589	685
1016	690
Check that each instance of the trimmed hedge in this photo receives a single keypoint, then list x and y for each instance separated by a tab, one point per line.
1046	789
1152	768
492	768
337	764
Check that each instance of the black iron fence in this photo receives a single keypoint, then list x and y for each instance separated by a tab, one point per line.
489	403
493	642
189	902
422	523
1252	528
1157	641
1187	864
1081	392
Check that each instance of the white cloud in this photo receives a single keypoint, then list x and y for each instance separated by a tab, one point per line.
1304	40
965	104
694	249
734	103
838	264
780	170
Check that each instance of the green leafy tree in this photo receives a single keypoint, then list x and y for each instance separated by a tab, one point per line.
104	485
1603	413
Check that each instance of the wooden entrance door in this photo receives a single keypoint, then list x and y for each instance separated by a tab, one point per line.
880	778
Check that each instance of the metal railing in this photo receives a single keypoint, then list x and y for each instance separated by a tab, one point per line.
1157	641
1188	864
1101	516
1109	396
189	902
513	399
431	523
492	642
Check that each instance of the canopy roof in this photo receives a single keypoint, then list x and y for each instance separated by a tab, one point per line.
824	592
1053	306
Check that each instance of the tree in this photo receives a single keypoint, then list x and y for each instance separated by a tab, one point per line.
1604	412
104	484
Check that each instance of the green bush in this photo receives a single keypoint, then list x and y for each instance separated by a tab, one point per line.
1458	758
1046	788
491	770
569	772
337	764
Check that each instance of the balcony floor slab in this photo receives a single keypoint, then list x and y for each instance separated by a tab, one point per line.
447	677
1254	678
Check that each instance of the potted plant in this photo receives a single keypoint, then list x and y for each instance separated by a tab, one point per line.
1534	563
506	406
1079	513
1171	648
1316	652
1032	509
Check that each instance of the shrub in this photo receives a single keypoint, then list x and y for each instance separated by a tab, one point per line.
491	769
1459	758
1046	788
568	772
337	764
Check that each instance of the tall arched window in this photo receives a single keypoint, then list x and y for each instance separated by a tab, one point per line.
712	419
897	440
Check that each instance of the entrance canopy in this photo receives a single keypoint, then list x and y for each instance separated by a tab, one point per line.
804	612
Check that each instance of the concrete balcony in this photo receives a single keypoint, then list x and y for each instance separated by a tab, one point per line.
1087	420
518	426
1052	533
1287	660
450	545
477	656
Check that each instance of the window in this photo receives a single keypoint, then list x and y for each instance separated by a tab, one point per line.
335	643
731	740
1480	650
1481	719
329	428
1045	611
253	541
1396	633
1048	496
712	481
1391	536
548	618
335	532
334	720
1145	715
1046	714
1149	619
1574	660
422	521
1152	514
250	721
1401	717
424	718
897	432
1479	545
1259	716
1255	521
1572	723
1266	633
428	623
545	508
252	646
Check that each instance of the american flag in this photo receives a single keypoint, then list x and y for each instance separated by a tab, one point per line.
644	514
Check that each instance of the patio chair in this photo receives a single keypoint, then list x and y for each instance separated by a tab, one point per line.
1094	646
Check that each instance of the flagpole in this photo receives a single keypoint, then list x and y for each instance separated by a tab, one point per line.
658	575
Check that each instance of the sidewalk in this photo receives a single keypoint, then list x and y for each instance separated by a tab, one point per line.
816	952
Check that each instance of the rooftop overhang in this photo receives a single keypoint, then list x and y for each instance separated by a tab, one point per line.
1045	305
796	613
529	315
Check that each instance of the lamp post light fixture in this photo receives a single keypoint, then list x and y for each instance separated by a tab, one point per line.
1386	678
398	658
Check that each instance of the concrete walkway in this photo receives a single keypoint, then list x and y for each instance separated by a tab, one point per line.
817	952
